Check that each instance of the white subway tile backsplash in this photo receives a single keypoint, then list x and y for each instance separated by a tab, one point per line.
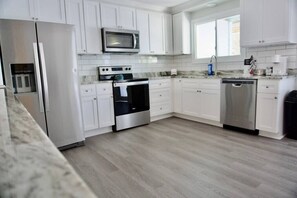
287	52
88	63
266	53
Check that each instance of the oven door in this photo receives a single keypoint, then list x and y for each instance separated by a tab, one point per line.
121	41
131	97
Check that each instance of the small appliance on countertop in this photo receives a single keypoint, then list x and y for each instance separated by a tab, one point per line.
130	96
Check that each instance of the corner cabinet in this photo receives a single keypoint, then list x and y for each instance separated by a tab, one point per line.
198	98
114	16
181	33
275	22
270	106
39	10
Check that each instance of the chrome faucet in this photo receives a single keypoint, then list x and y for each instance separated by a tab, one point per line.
216	63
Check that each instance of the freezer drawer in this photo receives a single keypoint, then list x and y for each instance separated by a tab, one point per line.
238	103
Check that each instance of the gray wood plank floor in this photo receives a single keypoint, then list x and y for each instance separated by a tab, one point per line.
179	158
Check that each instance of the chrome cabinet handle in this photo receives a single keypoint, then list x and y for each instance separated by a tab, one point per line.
38	77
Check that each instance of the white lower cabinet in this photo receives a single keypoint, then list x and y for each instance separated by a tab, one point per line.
267	112
270	106
97	106
90	113
200	98
105	110
177	95
160	97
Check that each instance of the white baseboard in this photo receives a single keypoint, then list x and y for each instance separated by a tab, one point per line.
98	131
205	121
276	136
161	117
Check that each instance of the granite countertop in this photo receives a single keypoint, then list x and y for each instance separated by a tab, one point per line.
191	74
30	164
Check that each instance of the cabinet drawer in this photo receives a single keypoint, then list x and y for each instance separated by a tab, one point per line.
209	84
160	109
104	88
156	84
160	95
268	86
190	83
88	90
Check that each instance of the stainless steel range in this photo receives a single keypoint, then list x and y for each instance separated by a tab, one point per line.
131	96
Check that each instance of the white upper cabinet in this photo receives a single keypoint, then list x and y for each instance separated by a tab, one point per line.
127	18
155	32
42	10
144	31
51	11
156	23
274	23
74	16
92	27
114	16
109	15
17	9
168	40
181	33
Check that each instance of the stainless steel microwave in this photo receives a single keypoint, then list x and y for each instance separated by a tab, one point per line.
120	41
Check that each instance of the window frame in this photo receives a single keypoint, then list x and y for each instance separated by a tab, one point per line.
215	17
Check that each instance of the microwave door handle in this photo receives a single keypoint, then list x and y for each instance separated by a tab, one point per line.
44	75
38	78
134	38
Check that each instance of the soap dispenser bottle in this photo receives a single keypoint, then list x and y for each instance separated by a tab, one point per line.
210	69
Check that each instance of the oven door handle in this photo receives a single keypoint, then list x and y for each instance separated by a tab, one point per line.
122	84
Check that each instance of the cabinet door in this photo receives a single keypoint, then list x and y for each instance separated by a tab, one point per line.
126	18
168	34
51	11
92	27
275	21
251	24
90	112
17	9
143	28
109	15
267	112
156	22
106	111
74	16
181	33
210	104
177	95
191	102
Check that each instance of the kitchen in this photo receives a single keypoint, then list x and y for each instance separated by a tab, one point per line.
185	151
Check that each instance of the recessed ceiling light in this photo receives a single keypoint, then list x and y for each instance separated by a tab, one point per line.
211	5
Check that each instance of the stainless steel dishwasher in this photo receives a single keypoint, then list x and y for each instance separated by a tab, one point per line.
238	103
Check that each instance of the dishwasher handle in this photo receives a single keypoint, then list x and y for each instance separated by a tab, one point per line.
237	85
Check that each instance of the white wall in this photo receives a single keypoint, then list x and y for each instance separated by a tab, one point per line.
88	64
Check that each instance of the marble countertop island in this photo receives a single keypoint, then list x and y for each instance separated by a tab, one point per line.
30	164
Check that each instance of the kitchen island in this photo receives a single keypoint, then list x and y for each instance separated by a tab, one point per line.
30	164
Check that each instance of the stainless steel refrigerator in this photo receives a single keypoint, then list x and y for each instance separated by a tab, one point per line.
40	65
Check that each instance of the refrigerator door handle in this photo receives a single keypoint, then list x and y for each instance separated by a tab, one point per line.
38	77
44	76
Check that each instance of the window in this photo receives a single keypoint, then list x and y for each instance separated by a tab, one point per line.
219	37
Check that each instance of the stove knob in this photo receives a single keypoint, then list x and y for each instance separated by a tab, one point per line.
107	69
103	69
126	68
129	68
